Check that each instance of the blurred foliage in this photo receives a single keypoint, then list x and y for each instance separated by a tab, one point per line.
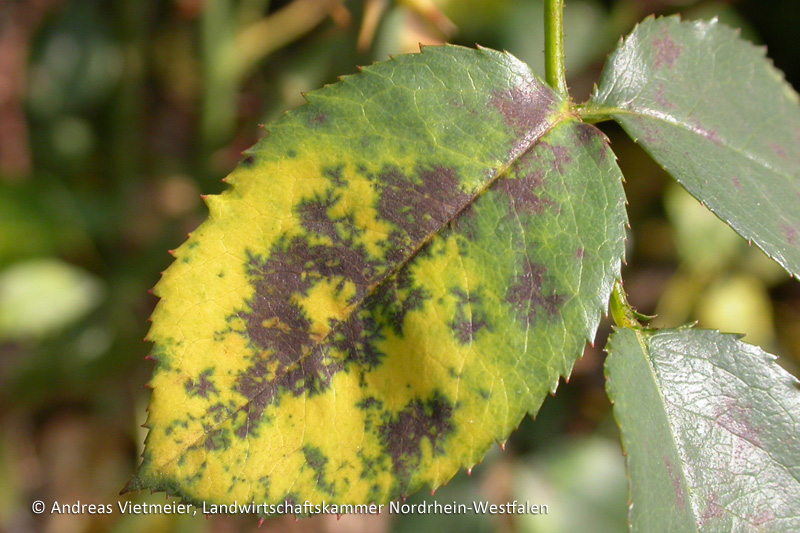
115	116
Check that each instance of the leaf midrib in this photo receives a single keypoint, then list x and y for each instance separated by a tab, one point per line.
644	346
664	117
564	116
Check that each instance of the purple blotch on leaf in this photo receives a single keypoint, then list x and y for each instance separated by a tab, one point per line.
667	50
527	294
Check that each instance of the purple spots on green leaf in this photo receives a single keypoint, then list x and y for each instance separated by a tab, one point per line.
593	140
420	204
667	51
525	109
711	135
713	510
521	195
677	484
561	156
790	232
318	119
661	98
733	417
736	183
763	517
528	294
778	150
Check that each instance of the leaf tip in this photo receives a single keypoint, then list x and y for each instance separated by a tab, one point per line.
136	484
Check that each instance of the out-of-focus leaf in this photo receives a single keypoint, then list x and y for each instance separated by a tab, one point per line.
738	303
403	268
704	243
41	296
710	427
75	64
40	218
582	482
719	117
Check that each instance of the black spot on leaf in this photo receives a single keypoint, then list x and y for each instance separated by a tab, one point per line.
528	294
403	433
335	174
419	205
266	378
217	440
592	140
203	386
469	318
317	460
314	215
357	338
521	195
396	298
560	154
525	108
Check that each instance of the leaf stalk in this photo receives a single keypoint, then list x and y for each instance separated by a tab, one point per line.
555	72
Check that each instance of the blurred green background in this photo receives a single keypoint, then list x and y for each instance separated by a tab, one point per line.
115	116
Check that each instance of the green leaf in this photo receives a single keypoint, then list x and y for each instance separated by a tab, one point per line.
719	117
402	269
39	297
710	428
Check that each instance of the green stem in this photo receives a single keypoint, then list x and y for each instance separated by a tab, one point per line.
593	115
554	70
624	315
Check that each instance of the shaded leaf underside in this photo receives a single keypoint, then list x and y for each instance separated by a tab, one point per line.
713	110
711	429
402	269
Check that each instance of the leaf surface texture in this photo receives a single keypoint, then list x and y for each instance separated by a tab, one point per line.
711	430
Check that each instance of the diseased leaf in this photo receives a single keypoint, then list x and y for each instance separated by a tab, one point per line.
402	269
719	117
711	429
